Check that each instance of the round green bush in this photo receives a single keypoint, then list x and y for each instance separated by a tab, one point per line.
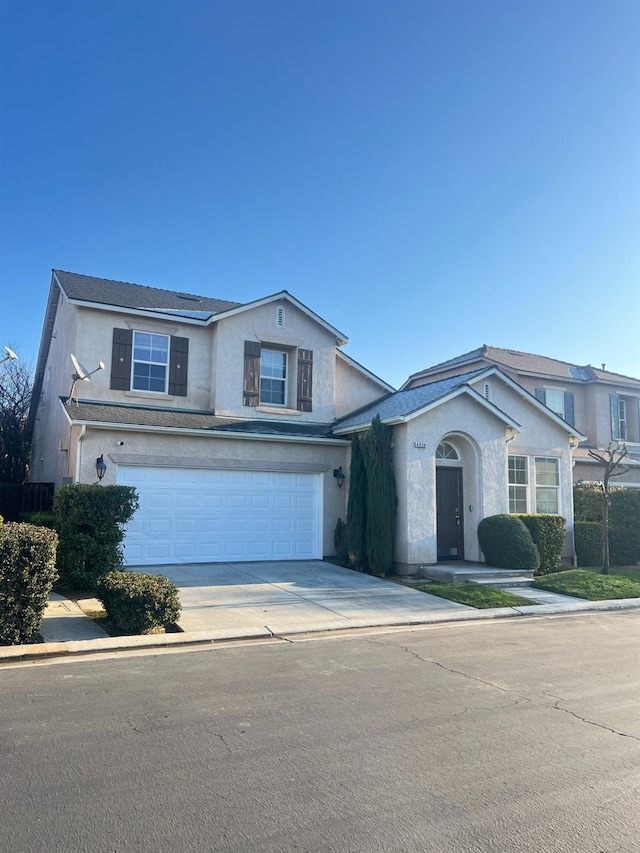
506	543
138	603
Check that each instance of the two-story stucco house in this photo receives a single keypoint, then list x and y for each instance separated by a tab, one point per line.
604	406
233	422
219	413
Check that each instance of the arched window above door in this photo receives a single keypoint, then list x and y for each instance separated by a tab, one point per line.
446	451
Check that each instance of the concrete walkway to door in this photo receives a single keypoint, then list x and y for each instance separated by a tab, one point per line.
293	596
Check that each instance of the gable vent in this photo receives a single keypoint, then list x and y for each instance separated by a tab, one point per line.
280	317
486	391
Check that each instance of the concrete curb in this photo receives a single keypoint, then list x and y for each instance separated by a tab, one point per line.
41	651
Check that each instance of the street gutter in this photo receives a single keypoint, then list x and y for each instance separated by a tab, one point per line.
41	651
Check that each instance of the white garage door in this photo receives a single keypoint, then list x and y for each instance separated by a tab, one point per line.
190	515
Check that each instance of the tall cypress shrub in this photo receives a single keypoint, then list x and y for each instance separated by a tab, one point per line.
357	507
381	498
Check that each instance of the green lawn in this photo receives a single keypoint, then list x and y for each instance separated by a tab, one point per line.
587	583
629	572
473	594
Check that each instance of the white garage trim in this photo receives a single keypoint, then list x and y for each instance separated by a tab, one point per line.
209	462
195	515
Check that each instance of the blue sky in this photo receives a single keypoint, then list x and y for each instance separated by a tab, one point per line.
427	176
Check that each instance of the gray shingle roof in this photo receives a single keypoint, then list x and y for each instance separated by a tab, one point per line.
526	362
155	416
123	294
403	403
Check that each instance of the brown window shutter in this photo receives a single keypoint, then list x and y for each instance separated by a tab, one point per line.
305	379
178	366
121	359
251	389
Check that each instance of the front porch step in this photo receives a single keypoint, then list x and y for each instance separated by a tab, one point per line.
504	583
474	573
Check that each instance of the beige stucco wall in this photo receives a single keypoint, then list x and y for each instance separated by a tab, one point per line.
148	446
354	388
259	324
51	427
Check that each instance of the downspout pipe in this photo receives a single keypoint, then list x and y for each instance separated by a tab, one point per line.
83	432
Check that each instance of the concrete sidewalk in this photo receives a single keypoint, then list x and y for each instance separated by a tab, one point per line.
265	600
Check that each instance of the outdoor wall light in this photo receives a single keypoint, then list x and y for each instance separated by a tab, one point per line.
338	473
101	467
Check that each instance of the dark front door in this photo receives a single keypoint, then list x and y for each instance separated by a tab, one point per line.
449	513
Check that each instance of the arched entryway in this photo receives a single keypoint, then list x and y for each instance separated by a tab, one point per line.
449	502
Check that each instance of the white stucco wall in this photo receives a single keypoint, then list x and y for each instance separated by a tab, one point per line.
483	442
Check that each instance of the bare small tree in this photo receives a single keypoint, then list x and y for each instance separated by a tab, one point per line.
15	398
611	458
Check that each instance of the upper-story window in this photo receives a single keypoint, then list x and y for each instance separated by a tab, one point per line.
559	401
625	418
273	378
150	362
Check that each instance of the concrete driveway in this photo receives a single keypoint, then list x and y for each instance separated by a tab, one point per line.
293	596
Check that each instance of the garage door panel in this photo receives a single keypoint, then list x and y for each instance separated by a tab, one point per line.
191	515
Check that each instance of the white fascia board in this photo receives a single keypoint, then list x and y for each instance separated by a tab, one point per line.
356	364
278	297
495	371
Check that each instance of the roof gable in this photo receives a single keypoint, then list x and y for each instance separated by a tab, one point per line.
406	404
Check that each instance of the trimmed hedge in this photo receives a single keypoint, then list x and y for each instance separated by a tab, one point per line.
27	573
624	512
547	532
588	536
138	603
506	543
90	523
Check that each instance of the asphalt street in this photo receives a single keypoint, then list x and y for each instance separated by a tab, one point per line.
485	736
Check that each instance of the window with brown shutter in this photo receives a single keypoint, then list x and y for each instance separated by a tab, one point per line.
178	366
251	387
121	359
305	379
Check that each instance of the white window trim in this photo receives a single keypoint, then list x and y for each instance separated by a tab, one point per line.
284	380
135	361
532	485
524	486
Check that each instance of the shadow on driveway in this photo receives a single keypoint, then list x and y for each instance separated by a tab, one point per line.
292	596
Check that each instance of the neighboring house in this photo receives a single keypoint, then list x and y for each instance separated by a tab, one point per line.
219	413
603	406
465	447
